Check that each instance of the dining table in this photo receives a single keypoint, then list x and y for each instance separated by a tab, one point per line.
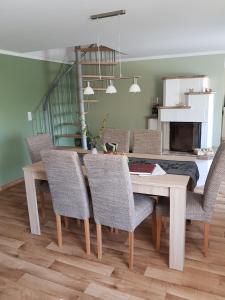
174	187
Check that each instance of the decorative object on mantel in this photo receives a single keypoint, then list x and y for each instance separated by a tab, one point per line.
207	153
200	93
155	107
134	88
177	106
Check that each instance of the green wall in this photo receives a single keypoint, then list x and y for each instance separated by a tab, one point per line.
23	82
129	111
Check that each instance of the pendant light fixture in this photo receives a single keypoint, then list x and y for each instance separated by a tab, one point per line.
88	90
134	88
111	88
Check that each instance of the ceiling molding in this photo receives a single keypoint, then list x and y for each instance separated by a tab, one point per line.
204	53
29	56
180	55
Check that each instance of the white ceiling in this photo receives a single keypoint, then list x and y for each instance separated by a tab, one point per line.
149	28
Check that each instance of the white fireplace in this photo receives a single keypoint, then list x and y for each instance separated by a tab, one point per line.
187	99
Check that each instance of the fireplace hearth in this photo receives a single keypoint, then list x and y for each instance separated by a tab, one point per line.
185	136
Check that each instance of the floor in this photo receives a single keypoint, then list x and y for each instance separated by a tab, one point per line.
34	267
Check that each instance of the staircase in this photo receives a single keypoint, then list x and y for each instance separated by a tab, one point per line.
63	110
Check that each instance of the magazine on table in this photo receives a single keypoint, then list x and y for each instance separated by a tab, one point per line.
143	169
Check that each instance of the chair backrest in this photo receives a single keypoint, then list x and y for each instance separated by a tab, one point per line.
67	183
118	136
111	190
38	143
214	179
147	141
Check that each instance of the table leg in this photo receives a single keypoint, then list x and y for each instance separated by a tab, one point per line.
32	202
177	228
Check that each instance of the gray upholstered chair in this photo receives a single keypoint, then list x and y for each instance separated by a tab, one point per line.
68	189
38	143
147	141
114	203
118	136
35	145
199	206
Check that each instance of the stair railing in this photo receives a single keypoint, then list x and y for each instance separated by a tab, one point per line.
57	109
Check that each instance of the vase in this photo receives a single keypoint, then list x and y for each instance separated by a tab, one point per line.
94	150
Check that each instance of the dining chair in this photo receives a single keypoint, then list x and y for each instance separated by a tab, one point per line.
35	145
38	143
117	136
199	207
68	189
147	141
114	203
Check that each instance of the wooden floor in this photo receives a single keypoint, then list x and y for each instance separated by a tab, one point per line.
33	267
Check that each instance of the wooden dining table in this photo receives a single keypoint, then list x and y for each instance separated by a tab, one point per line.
172	186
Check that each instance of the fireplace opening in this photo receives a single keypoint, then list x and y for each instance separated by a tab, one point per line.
185	136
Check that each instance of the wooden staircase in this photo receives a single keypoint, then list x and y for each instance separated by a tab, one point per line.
62	112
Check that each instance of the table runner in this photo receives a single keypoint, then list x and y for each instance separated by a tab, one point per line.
175	167
188	168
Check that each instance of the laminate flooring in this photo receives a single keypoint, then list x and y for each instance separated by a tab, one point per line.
34	267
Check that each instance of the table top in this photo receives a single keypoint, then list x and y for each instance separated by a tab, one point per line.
139	155
168	180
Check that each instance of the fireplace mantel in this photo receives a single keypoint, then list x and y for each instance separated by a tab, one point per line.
184	100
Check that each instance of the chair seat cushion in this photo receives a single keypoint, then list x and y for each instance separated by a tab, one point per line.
144	206
194	207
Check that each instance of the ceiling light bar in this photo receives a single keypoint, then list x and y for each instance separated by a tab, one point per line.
109	78
108	14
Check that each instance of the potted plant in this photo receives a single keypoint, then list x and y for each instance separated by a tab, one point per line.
95	139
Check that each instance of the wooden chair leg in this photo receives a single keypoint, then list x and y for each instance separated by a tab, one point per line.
206	239
87	236
158	232
131	250
154	228
42	201
66	221
78	222
59	230
99	240
163	224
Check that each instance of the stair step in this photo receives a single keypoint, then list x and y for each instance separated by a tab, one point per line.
86	112
62	103
101	48
102	63
71	123
96	49
69	135
68	123
91	101
62	113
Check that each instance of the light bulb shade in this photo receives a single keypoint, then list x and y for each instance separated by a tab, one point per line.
88	90
111	88
135	88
